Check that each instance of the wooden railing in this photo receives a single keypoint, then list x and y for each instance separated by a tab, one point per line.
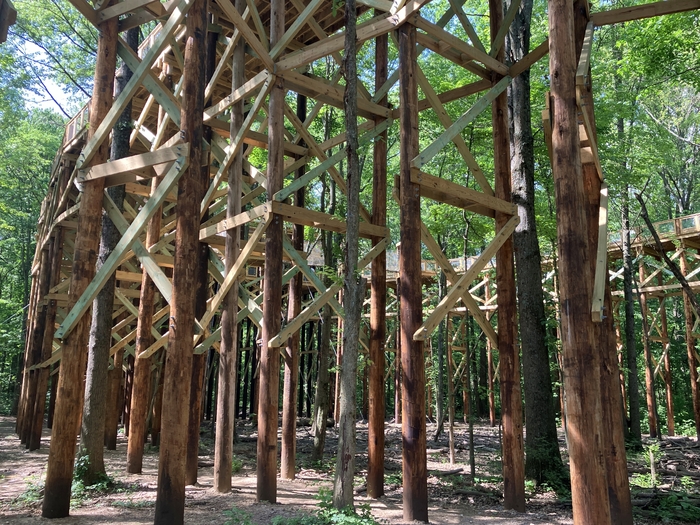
668	229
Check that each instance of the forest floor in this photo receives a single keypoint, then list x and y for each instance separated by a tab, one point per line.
454	497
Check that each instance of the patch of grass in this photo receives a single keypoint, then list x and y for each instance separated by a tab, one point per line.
236	465
133	504
237	516
32	495
329	515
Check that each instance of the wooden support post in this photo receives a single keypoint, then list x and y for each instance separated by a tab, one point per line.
199	360
35	351
690	346
611	401
228	351
291	352
375	467
489	360
581	359
170	498
140	399
69	403
670	423
648	365
509	359
43	379
140	395
397	366
415	473
268	400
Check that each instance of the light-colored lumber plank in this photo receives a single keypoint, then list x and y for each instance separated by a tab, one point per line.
460	196
128	168
638	12
601	262
462	122
124	244
446	121
317	219
462	284
159	44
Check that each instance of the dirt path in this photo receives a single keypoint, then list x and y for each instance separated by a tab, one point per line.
133	501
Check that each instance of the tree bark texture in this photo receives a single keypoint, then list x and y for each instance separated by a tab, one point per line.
542	457
354	285
69	403
170	497
511	399
630	331
415	479
95	405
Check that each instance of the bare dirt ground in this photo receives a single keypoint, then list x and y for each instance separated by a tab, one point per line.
454	498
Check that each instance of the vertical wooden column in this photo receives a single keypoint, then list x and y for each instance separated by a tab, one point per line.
35	349
228	352
140	397
690	347
34	441
377	316
648	364
291	352
268	399
509	359
141	390
170	497
580	356
613	444
199	361
415	474
69	403
670	424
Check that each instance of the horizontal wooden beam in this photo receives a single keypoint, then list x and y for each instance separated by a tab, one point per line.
442	190
316	219
638	12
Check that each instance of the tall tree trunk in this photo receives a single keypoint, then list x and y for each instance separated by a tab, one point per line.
652	412
542	457
354	285
630	331
509	358
291	352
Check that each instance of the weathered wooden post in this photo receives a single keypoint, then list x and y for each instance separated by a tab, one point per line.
415	475
375	474
268	398
170	499
69	402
